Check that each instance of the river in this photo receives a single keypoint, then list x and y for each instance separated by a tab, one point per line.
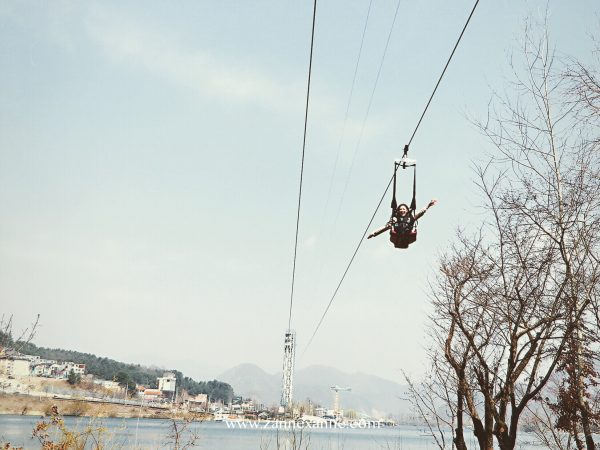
154	434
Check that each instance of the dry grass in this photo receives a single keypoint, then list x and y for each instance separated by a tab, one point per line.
53	433
36	406
31	385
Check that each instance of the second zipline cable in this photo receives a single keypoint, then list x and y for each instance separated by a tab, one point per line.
389	183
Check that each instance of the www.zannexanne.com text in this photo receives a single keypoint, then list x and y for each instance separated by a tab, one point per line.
290	424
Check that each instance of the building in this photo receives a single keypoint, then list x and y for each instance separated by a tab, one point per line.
248	405
139	390
78	369
14	367
200	401
54	369
152	394
33	359
42	368
167	384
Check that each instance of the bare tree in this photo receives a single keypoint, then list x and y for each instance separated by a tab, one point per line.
584	86
461	276
431	399
551	186
182	434
500	311
8	342
514	304
541	421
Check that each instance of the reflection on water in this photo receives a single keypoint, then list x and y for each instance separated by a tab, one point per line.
158	434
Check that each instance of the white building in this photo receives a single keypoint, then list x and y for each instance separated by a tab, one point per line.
14	367
53	369
32	359
167	382
78	369
320	412
42	369
248	405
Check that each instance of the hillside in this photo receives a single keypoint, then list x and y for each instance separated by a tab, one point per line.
370	394
127	373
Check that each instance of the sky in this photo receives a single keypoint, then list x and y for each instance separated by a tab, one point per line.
150	163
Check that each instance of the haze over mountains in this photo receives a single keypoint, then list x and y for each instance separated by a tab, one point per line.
370	394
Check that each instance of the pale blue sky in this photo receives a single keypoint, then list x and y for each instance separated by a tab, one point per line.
149	165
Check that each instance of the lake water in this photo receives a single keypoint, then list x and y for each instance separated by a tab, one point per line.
154	434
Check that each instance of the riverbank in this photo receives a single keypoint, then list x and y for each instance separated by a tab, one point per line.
31	405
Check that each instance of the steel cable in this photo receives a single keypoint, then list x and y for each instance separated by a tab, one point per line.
389	183
312	40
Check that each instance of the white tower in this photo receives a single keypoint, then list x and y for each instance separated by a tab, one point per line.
289	357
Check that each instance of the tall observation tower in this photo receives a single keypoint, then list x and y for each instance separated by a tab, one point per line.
289	356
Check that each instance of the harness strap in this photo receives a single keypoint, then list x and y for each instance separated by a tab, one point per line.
394	203
413	203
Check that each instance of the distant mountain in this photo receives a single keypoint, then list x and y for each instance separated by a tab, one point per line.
251	381
370	394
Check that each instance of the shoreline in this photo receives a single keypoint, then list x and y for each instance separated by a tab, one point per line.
33	405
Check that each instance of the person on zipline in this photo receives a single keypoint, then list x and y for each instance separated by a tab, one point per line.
402	225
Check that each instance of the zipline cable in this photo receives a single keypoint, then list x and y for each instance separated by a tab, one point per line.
350	96
362	128
312	40
390	182
362	238
443	72
341	140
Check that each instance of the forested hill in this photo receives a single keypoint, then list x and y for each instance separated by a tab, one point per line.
124	373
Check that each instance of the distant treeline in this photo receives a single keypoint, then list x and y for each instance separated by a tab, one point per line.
130	374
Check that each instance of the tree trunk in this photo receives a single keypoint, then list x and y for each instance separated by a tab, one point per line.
575	435
479	433
459	438
581	403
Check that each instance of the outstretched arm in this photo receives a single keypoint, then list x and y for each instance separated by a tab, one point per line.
379	231
424	210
